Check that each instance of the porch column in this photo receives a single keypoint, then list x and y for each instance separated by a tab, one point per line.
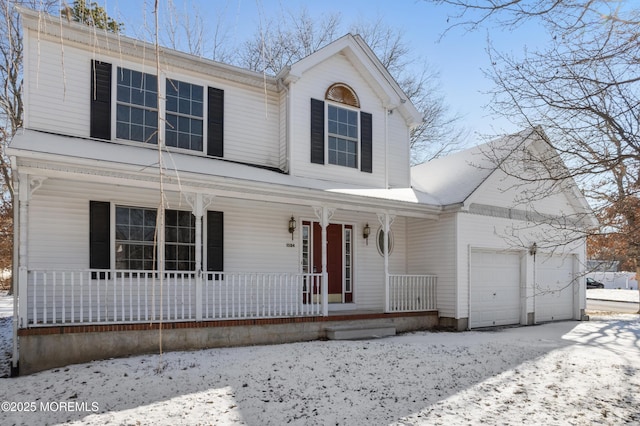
324	214
386	220
199	204
24	194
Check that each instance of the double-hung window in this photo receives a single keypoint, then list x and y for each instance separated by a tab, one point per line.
180	241
341	133
194	114
185	107
342	126
137	106
135	237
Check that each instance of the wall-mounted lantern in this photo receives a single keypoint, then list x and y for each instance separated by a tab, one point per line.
365	233
533	249
292	226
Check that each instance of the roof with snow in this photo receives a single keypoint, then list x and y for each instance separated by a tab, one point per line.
452	179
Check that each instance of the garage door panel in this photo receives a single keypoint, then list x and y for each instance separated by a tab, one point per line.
554	290
495	288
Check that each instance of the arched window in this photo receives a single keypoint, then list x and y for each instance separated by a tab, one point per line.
342	125
340	131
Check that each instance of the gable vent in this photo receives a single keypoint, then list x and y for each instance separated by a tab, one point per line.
340	92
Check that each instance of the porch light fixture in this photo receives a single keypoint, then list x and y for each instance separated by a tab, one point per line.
533	249
365	233
292	226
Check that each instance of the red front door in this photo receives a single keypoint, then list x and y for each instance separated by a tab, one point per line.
335	260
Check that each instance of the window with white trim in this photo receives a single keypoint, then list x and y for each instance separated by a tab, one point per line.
135	239
342	130
185	108
137	106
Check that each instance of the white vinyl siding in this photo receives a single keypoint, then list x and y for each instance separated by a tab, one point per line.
313	86
58	87
431	249
398	152
57	100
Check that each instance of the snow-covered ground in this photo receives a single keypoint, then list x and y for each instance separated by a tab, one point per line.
611	294
576	373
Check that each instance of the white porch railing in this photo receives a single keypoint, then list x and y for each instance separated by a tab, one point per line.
412	293
232	295
117	296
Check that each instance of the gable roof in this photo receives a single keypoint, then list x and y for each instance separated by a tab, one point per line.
454	179
367	63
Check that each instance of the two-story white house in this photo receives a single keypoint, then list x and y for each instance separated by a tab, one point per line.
289	206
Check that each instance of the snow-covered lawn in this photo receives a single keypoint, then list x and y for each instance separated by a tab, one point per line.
615	295
562	373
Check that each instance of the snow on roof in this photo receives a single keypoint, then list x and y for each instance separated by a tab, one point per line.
452	179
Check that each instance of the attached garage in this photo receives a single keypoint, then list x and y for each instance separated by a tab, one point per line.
495	288
554	288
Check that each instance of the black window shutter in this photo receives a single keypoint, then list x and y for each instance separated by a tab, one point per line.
215	241
100	100
99	235
215	122
317	131
366	144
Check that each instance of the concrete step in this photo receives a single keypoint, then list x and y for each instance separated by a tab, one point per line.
355	332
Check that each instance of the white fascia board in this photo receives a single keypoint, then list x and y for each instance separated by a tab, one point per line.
365	60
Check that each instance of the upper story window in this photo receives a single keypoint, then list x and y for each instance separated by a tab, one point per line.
185	106
342	125
194	114
349	132
137	106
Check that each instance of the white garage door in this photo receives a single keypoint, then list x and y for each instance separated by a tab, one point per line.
495	288
554	290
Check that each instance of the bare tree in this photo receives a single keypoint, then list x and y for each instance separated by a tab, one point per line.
185	29
279	43
439	133
584	88
283	42
11	106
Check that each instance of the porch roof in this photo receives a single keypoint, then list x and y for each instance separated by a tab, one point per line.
103	159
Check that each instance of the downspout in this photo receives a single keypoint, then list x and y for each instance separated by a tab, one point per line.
386	146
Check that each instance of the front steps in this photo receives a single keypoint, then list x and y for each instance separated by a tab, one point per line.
361	331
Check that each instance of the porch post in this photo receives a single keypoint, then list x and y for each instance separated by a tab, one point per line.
324	222
24	195
324	215
385	221
198	205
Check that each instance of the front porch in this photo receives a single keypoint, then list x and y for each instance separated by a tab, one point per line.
68	317
97	297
